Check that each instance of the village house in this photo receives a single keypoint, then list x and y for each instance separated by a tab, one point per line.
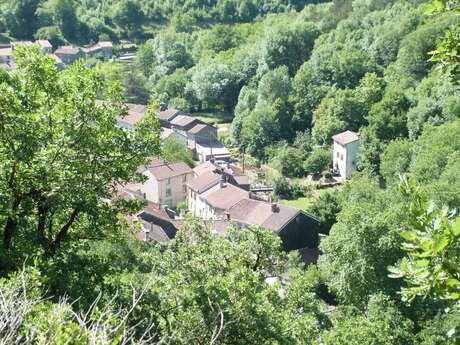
69	54
136	113
45	45
157	222
229	172
103	49
166	182
167	114
346	149
168	133
210	200
296	228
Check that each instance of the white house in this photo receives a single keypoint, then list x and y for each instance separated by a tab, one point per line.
346	149
166	182
209	196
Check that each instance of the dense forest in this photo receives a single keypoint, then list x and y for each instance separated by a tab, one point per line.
288	75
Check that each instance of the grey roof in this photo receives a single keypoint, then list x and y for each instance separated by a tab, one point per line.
163	170
197	128
135	113
260	213
346	137
204	181
67	50
225	197
168	114
182	120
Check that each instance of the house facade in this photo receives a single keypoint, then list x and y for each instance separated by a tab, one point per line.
166	183
68	54
346	149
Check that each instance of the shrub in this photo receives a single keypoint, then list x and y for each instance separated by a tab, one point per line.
318	161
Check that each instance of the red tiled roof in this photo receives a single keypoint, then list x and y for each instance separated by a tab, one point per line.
346	137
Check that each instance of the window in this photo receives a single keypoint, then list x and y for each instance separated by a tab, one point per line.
341	157
168	191
184	189
168	181
184	178
338	154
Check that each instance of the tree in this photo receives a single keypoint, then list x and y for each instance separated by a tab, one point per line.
289	162
363	243
382	323
432	247
174	151
215	85
325	208
318	161
396	160
62	153
19	18
129	15
61	13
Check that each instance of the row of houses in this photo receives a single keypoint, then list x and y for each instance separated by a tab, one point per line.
63	55
198	136
219	194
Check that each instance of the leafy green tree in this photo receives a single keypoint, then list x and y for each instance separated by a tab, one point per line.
63	14
363	243
260	129
325	208
62	153
145	58
215	85
289	162
382	323
174	151
432	247
288	46
52	34
19	17
318	161
396	160
129	16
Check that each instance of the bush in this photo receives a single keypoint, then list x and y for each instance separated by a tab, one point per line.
318	161
285	190
289	162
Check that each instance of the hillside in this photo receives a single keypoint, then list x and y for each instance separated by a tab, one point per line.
87	256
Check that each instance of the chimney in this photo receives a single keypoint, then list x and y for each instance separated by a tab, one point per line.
275	208
222	182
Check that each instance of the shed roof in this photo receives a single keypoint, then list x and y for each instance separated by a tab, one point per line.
198	128
183	120
346	137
